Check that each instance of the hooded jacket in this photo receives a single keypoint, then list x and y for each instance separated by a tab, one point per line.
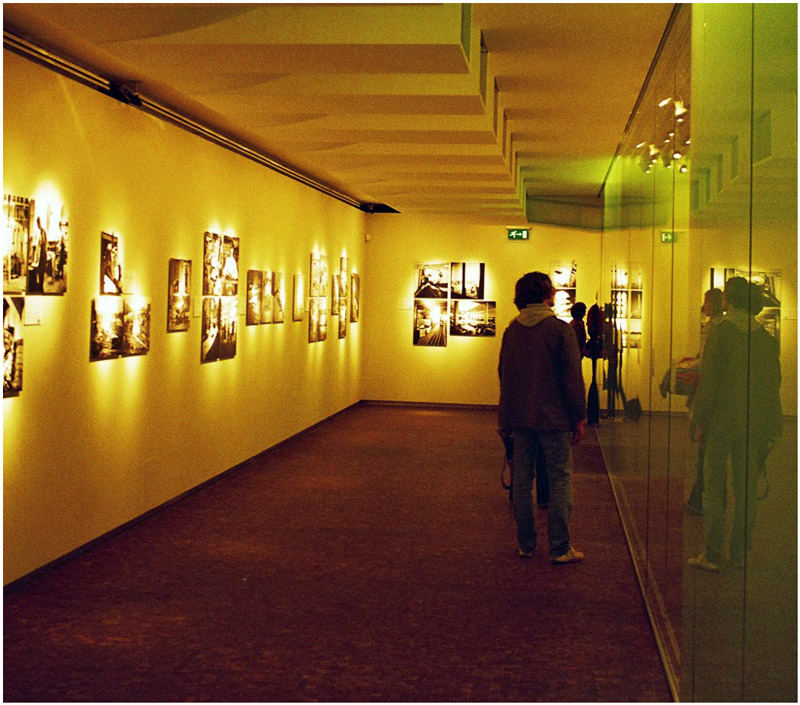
541	382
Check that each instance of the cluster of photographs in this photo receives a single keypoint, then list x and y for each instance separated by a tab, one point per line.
564	277
120	322
220	297
321	283
34	263
265	297
626	296
449	300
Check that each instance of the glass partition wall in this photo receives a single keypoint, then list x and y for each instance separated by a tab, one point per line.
703	197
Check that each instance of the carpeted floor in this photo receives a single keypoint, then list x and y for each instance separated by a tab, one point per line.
370	559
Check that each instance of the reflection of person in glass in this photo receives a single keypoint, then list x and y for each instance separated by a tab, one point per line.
712	312
737	411
578	311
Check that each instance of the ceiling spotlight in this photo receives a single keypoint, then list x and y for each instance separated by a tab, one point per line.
680	108
684	168
640	145
664	102
676	155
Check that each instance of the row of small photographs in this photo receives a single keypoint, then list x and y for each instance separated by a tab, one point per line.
35	247
433	321
454	280
265	297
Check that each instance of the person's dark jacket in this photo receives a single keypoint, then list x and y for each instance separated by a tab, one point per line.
739	389
541	383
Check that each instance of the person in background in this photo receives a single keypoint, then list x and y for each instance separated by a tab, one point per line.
542	407
737	411
578	311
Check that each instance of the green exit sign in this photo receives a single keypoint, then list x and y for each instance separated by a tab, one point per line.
519	233
668	236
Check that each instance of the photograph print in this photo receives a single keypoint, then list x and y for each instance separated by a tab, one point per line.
106	330
355	297
212	264
110	265
298	297
466	280
179	297
230	266
278	297
266	297
432	281
210	336
47	250
228	322
17	212
430	323
13	310
473	318
255	279
135	326
564	278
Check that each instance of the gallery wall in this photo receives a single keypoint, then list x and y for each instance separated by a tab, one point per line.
465	370
89	446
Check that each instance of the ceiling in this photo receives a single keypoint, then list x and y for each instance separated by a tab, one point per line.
379	101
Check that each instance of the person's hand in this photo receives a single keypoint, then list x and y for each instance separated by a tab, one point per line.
577	432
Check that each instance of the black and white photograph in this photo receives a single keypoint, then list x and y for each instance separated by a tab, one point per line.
212	264
473	318
110	265
564	278
317	319
278	297
466	280
430	323
298	297
210	336
355	297
266	297
314	277
255	282
179	295
47	250
18	212
228	323
135	326
230	266
107	325
432	281
13	311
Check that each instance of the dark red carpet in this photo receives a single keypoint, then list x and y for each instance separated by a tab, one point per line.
371	559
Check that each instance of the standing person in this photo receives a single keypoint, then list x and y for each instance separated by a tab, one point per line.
542	407
737	411
578	311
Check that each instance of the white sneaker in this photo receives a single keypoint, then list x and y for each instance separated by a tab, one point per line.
571	556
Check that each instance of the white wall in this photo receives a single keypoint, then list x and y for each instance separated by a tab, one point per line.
465	371
88	446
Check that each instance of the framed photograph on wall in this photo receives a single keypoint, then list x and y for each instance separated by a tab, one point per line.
135	326
255	282
230	266
13	312
18	212
466	280
430	323
565	281
228	323
298	297
47	250
266	297
278	297
210	335
212	264
432	281
355	297
317	319
106	330
110	265
474	319
179	295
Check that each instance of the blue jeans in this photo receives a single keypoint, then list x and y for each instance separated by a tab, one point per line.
555	448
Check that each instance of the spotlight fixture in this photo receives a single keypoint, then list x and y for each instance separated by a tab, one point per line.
664	102
684	168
